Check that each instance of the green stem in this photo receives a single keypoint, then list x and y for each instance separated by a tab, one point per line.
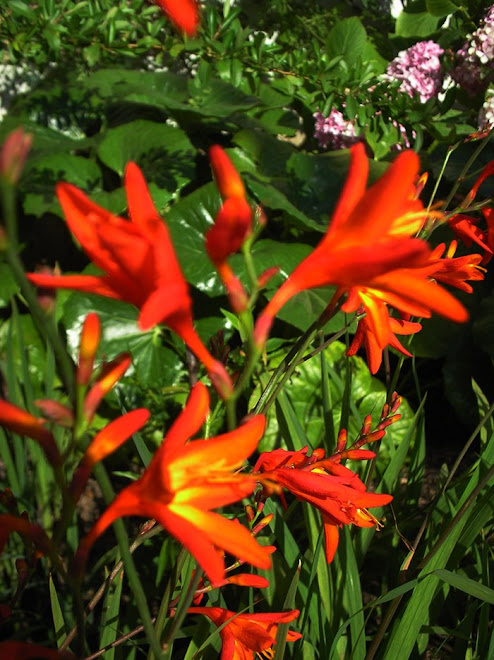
182	612
130	569
44	324
464	171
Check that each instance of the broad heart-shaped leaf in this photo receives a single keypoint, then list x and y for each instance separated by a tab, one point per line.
45	140
168	91
304	392
416	21
43	172
440	7
163	152
152	363
188	221
347	39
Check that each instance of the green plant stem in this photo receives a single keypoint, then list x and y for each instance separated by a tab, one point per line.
130	569
182	613
44	323
467	166
291	361
441	173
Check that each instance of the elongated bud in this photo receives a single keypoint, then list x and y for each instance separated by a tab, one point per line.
387	422
342	440
13	155
227	178
90	338
55	412
264	277
371	437
396	401
111	373
366	426
262	524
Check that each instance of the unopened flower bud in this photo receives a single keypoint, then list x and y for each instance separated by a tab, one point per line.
13	155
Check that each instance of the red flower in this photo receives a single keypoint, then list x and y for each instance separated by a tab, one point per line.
139	262
455	270
184	13
336	491
183	482
246	636
375	339
368	245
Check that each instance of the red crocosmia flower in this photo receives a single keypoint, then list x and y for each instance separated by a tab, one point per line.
336	491
246	636
368	244
139	262
25	651
183	13
455	270
23	423
374	344
183	482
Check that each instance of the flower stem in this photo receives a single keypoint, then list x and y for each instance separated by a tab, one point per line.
130	569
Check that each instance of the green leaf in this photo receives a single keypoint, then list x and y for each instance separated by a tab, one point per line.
152	363
165	90
164	152
110	615
440	7
56	611
416	21
43	172
467	585
347	39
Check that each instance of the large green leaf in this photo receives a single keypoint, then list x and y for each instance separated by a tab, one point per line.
168	91
152	363
347	39
43	172
416	21
164	152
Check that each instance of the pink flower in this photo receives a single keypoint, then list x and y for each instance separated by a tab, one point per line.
334	132
419	70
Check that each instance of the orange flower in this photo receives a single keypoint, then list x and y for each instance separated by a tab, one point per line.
246	636
376	342
183	482
183	13
139	262
336	491
455	270
368	244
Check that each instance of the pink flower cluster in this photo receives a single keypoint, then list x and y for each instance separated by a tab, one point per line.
419	70
486	114
476	58
334	132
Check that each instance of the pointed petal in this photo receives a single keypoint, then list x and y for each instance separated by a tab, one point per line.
227	178
187	423
23	423
87	283
353	189
115	434
167	301
225	534
331	535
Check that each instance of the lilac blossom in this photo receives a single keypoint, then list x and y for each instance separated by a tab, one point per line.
334	132
476	58
486	114
419	70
